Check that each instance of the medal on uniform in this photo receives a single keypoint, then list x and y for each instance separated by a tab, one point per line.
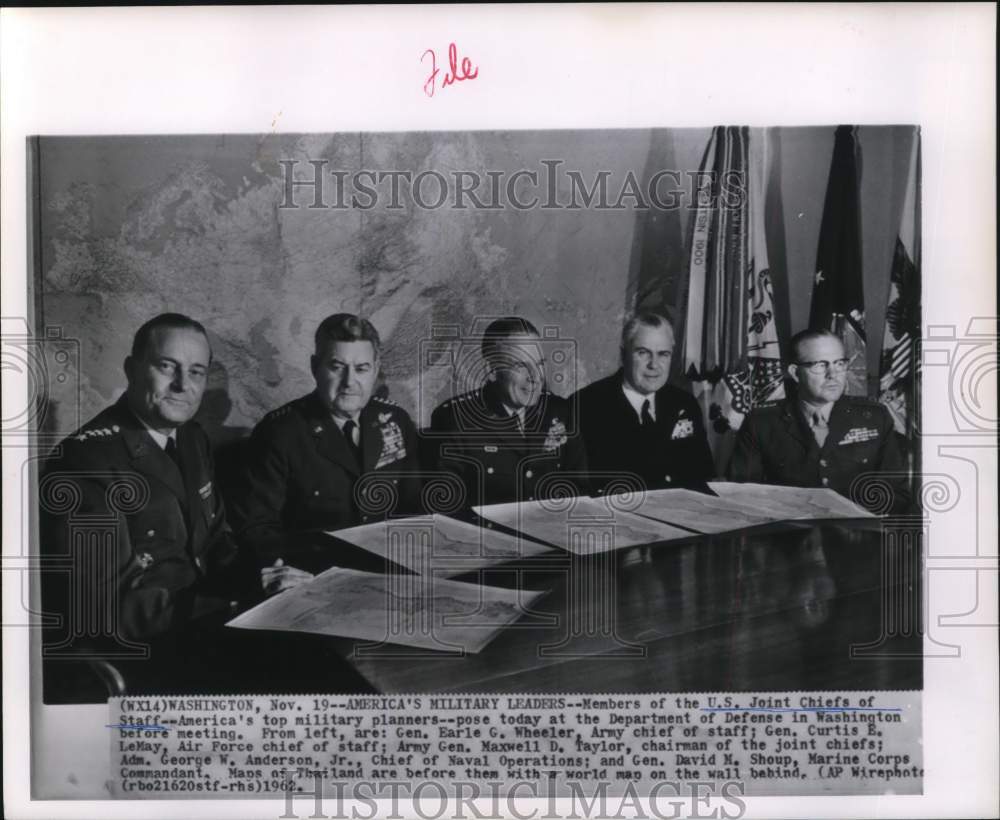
556	436
859	434
683	429
393	446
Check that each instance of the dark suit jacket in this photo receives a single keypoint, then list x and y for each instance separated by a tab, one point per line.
776	446
132	532
473	437
303	478
675	452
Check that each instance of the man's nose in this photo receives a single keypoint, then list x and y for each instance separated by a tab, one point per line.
180	381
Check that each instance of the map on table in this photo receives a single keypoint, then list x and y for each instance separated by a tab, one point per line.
699	511
412	610
581	525
789	503
439	544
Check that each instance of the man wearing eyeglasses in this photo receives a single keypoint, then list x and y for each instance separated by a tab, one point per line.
508	438
635	425
818	437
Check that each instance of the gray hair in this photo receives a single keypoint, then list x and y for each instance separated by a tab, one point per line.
646	318
347	327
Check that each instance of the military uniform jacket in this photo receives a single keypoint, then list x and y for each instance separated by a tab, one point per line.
776	446
474	437
674	452
302	477
131	529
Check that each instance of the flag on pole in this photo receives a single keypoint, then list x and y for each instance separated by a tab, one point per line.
838	302
897	371
731	351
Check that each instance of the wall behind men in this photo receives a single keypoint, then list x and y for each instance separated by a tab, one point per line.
129	227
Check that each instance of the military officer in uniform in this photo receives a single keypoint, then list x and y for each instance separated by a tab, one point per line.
508	439
637	426
335	458
129	503
819	437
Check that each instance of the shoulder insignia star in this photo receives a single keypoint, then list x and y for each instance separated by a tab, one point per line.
277	414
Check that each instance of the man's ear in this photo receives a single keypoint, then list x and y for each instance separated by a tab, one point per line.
127	367
312	364
793	372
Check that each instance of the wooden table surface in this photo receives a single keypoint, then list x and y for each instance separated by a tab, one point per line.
794	606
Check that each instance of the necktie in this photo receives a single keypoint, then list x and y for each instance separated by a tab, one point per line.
647	418
175	456
820	428
351	434
519	422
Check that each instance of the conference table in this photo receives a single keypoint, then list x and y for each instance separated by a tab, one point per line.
810	605
796	605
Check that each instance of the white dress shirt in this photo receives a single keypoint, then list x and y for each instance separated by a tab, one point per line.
636	399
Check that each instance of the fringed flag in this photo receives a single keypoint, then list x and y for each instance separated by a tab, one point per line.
838	302
897	372
731	351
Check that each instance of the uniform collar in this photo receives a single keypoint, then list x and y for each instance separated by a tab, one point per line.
160	438
148	456
810	410
503	415
637	399
340	422
511	412
137	435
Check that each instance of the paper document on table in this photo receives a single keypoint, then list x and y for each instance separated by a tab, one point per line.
412	610
581	525
439	544
790	503
700	512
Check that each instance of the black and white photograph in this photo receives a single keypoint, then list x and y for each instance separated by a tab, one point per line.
536	333
575	459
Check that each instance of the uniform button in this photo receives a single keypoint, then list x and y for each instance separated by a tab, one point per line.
489	470
528	474
824	481
667	478
315	492
822	462
364	518
197	561
395	481
150	533
531	498
864	461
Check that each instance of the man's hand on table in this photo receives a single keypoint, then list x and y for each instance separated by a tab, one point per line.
278	577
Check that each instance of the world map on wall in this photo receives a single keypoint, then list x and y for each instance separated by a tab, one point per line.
196	225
